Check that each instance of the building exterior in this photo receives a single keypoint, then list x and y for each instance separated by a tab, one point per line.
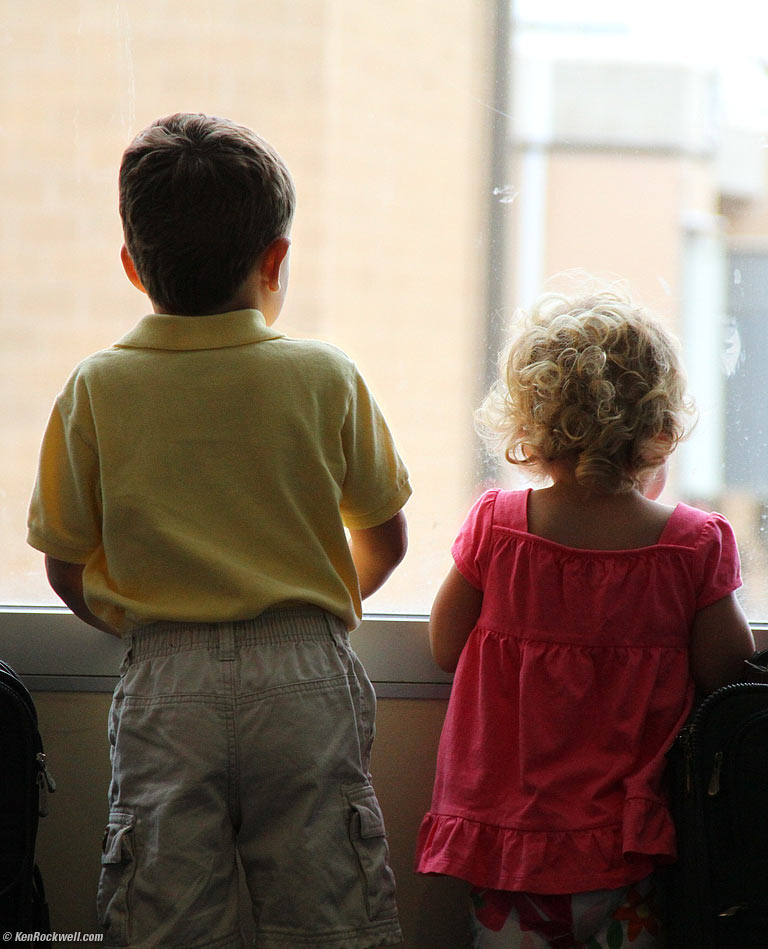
634	168
385	135
447	170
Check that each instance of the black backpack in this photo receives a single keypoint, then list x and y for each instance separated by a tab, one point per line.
717	892
24	784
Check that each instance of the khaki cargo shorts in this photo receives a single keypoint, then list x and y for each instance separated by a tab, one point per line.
249	738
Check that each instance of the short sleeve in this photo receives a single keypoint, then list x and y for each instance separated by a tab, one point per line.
376	484
471	549
719	558
64	518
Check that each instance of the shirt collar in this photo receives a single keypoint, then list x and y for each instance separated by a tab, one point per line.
218	331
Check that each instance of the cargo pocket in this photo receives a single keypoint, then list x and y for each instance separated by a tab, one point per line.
117	869
368	837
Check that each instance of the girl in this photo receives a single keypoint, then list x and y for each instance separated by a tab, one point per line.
578	618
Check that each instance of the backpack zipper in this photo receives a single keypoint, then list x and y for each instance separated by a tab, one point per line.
689	739
690	743
713	788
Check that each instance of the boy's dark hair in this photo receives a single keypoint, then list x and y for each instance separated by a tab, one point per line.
200	199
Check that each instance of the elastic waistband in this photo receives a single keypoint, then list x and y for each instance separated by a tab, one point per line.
278	625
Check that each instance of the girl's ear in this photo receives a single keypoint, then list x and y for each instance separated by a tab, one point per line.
656	481
272	260
130	269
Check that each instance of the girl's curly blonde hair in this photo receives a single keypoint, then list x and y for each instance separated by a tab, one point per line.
594	379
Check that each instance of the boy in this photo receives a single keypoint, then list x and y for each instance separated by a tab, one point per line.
195	481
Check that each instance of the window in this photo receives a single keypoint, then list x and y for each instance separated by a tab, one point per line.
386	137
450	158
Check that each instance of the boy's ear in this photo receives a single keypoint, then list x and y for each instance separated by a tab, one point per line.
272	260
130	269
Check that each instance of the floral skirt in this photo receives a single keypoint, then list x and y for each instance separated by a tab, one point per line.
627	918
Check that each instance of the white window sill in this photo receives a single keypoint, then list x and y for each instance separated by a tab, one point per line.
53	651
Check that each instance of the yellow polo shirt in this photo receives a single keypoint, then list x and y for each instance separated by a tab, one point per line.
203	469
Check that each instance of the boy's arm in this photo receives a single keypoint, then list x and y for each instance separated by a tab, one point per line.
67	582
376	551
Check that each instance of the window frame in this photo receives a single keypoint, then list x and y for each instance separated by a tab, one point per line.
53	651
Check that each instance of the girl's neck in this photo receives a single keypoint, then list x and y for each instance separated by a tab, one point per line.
570	514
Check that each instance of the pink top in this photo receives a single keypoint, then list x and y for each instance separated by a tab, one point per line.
569	691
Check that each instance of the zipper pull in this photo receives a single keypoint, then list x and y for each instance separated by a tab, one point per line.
49	780
714	782
738	908
45	784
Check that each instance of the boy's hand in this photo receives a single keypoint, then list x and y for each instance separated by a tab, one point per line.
67	581
376	551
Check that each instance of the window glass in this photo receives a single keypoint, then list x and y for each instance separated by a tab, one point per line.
450	159
639	153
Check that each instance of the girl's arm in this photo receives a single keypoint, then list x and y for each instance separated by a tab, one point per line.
720	642
454	614
67	581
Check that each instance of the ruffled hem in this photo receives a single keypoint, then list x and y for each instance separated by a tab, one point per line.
553	862
648	830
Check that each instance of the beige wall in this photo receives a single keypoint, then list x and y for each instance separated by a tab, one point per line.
73	726
747	220
621	215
